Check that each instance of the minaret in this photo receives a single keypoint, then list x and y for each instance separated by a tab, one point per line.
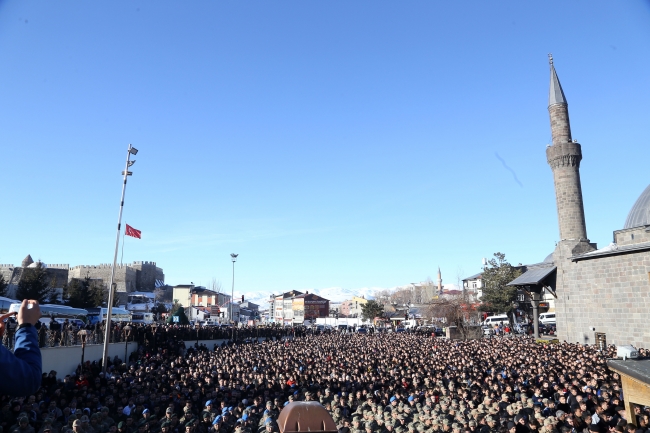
564	157
439	281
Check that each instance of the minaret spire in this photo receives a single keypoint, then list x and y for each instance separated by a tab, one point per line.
556	94
564	157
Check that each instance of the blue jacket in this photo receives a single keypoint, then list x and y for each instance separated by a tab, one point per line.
21	371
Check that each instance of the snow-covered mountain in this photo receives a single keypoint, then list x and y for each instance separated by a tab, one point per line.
334	294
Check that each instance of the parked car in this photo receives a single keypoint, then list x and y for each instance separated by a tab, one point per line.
400	330
547	329
547	318
362	330
500	319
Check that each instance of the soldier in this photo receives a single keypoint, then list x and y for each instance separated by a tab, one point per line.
105	420
42	335
10	326
326	398
22	425
209	410
85	425
64	333
356	424
371	426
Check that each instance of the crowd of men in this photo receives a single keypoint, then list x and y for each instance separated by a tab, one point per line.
66	333
370	383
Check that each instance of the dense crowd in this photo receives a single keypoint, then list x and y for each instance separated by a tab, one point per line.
383	383
67	333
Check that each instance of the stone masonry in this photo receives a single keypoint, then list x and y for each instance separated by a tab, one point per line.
610	294
136	276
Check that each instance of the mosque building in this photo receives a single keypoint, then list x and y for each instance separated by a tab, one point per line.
604	292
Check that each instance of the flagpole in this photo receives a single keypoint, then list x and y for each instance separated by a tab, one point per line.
122	256
111	287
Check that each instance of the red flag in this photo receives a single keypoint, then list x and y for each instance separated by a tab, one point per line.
130	231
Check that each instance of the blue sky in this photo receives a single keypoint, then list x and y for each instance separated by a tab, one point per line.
330	144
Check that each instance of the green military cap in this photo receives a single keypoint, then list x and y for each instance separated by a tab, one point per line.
445	421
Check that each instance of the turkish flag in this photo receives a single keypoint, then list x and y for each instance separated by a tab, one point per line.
130	231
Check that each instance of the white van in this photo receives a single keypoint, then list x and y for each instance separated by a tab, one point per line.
547	318
500	319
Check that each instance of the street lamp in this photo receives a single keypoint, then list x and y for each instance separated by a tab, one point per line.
126	173
232	293
197	326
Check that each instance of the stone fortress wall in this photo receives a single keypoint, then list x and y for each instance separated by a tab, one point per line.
147	274
136	276
124	278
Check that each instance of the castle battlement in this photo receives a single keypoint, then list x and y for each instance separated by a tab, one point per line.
6	266
144	263
58	266
100	266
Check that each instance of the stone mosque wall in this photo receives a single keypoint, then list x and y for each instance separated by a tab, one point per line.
610	293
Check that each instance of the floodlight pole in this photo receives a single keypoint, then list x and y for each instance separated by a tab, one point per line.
232	294
111	295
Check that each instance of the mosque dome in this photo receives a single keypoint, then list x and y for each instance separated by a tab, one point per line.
548	259
640	213
35	265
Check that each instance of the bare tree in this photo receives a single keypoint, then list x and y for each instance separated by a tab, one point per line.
215	285
401	296
458	311
383	296
460	273
429	290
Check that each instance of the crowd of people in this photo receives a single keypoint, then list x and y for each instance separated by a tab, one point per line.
67	333
369	383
